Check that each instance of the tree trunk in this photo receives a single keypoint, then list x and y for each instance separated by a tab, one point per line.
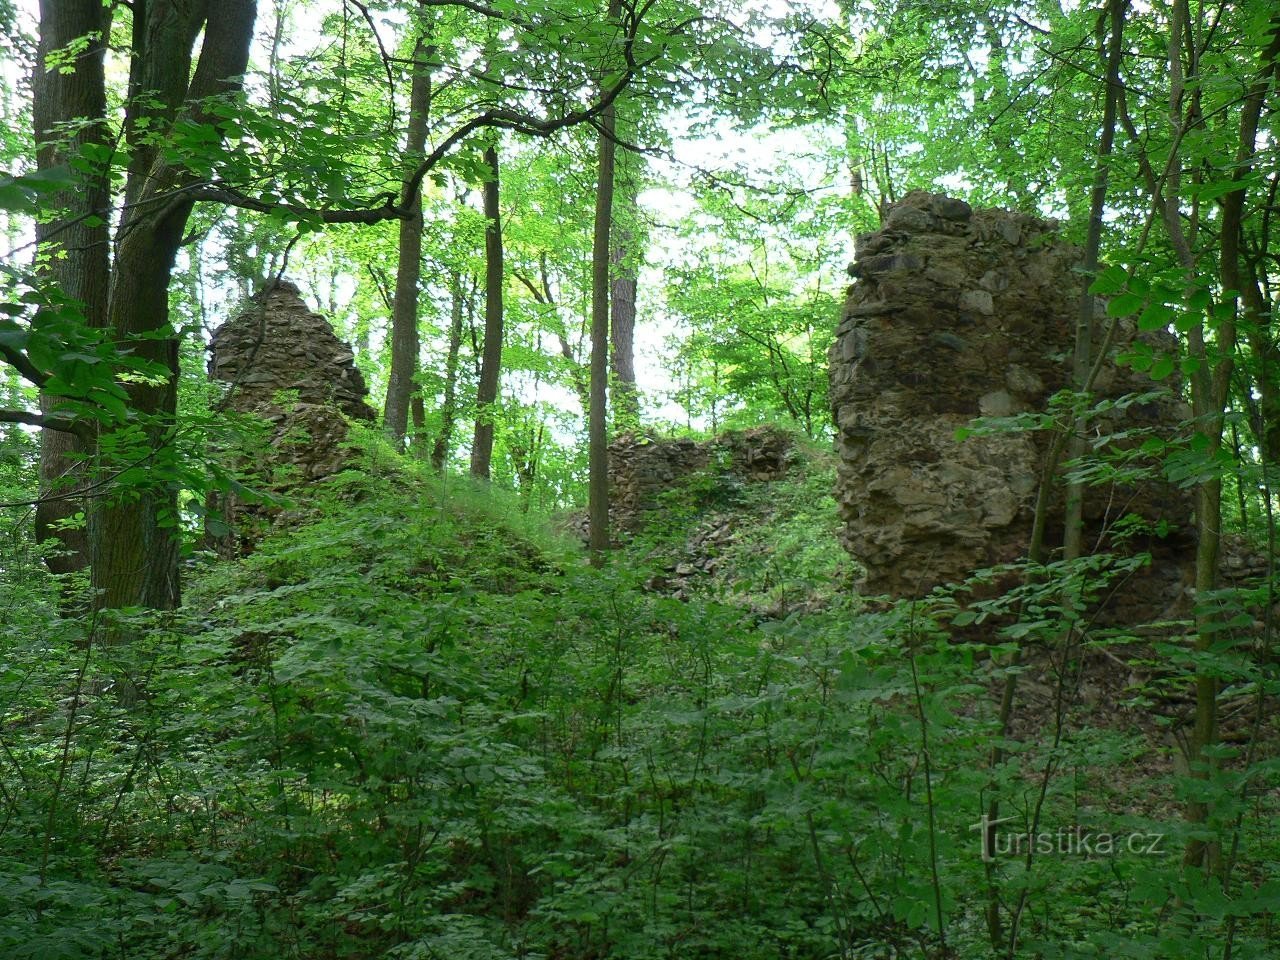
1210	390
448	409
74	249
418	443
622	307
491	361
1082	360
622	334
401	383
135	536
597	414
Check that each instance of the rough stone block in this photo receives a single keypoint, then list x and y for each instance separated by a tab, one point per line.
977	301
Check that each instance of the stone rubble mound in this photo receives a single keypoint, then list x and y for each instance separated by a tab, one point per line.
643	467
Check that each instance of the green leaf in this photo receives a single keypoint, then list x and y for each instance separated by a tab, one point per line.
1162	368
14	196
13	336
1155	317
1109	281
1187	320
50	180
1124	305
1138	359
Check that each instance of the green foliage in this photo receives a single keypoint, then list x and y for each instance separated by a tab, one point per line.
420	726
423	723
755	311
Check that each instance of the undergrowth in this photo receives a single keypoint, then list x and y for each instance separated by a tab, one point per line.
422	726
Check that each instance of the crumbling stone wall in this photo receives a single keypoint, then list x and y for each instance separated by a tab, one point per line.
642	468
283	364
958	313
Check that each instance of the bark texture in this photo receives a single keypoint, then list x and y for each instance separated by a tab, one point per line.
449	406
74	245
135	537
597	413
405	346
491	359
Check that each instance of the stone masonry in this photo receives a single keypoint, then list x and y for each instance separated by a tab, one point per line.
643	468
284	365
955	314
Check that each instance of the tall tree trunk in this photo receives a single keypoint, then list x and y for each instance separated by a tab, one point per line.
449	407
1210	390
135	537
401	383
622	334
622	308
597	414
1082	359
74	248
491	360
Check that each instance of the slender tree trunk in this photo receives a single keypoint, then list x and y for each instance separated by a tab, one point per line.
1262	343
405	346
622	307
622	334
1084	371
1082	359
597	414
74	249
491	360
1210	389
448	409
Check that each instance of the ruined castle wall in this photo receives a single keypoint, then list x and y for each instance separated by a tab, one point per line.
643	468
284	365
955	314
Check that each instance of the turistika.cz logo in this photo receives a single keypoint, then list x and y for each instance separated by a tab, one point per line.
1066	841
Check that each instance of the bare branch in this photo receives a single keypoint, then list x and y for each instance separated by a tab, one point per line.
235	198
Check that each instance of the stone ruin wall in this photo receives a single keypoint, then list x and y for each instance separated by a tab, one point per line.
283	364
957	313
642	468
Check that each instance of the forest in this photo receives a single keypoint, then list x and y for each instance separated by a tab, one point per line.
746	479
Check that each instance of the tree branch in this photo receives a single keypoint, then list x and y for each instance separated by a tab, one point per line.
47	422
18	360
